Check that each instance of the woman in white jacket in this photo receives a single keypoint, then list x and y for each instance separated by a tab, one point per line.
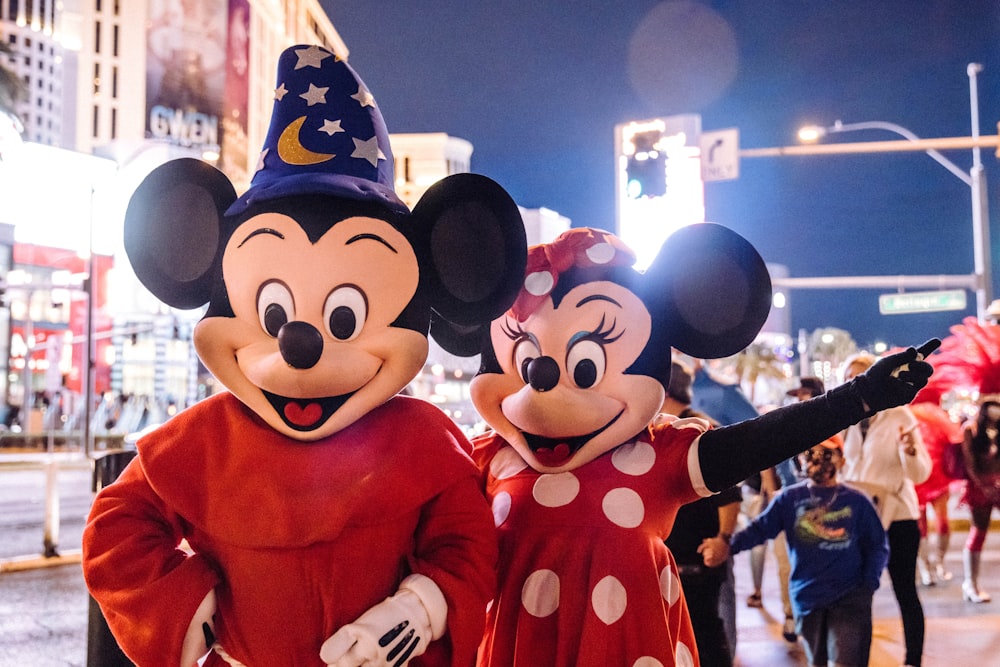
885	456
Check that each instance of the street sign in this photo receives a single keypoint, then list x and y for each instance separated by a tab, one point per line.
720	158
921	302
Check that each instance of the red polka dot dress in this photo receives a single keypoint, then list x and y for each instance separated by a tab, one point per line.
584	577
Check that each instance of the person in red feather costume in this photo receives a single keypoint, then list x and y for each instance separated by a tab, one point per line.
969	361
938	431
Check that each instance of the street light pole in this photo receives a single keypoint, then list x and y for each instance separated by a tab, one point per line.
980	205
975	179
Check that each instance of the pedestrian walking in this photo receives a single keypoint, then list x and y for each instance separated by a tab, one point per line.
837	550
884	455
939	432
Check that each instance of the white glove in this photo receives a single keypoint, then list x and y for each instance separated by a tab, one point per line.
201	632
393	631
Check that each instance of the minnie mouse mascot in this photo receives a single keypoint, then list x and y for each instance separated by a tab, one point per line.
309	515
584	490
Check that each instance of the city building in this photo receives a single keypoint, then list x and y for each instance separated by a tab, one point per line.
112	90
423	159
131	86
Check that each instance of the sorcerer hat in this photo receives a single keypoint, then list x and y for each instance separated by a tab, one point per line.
327	135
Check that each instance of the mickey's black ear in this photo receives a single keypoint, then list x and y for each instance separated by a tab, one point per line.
462	341
172	230
476	253
713	288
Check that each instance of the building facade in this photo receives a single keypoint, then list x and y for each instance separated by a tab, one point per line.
137	83
141	82
105	76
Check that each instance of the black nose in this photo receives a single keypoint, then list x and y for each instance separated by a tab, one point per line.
543	373
301	344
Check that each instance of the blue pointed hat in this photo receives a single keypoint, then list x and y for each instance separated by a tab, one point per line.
326	136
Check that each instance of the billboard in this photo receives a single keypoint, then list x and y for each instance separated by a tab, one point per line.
186	70
233	153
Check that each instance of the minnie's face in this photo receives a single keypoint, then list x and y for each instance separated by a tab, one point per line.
563	397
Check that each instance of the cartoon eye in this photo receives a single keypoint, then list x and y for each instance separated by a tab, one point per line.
275	306
345	312
525	351
585	362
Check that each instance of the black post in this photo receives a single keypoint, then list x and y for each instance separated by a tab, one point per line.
102	649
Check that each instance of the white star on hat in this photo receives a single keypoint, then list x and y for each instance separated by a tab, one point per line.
260	160
310	57
315	95
331	127
280	92
368	149
364	98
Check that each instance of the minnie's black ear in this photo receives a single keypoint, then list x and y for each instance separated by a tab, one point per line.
712	288
474	256
172	230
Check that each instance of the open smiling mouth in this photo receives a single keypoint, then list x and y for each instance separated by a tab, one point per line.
556	451
305	414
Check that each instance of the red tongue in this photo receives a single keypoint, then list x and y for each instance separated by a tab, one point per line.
303	416
553	457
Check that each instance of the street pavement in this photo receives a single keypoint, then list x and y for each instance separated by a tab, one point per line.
44	604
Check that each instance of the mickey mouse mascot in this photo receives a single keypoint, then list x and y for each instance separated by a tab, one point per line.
584	490
309	515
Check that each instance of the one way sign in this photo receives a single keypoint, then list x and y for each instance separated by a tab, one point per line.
720	155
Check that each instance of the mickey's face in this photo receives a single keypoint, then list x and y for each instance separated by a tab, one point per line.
563	397
311	347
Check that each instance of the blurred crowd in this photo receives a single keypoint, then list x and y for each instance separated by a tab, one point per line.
909	465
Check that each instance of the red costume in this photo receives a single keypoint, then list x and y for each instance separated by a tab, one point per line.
309	516
938	432
586	578
353	512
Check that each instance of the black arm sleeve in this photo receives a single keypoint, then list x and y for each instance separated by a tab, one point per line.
729	454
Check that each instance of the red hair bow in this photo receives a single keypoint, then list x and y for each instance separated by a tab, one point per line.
582	247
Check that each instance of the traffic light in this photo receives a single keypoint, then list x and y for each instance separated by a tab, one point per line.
646	168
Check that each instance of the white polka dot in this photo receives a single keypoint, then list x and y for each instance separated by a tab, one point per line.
601	253
540	594
507	463
609	599
539	283
556	490
634	458
623	507
501	507
682	656
670	585
647	661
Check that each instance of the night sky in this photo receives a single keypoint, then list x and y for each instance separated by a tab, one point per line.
538	87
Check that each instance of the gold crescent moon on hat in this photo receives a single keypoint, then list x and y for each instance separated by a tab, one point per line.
291	150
